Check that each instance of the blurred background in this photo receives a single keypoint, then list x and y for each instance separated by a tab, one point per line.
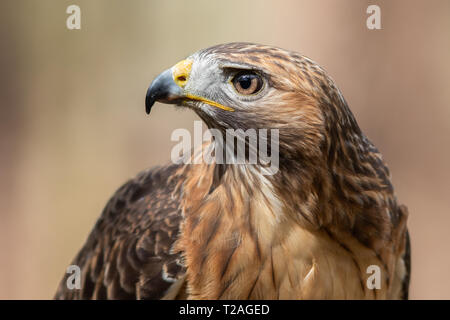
73	126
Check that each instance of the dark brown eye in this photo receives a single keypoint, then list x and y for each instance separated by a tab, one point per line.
247	82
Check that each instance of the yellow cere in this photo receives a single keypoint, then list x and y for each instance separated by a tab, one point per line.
180	74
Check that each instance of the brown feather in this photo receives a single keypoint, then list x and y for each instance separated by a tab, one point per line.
228	232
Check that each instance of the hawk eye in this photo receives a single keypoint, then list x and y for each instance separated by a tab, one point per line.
247	82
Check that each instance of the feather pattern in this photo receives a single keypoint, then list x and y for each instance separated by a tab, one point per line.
227	231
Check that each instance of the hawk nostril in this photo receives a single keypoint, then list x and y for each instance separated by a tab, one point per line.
181	80
181	72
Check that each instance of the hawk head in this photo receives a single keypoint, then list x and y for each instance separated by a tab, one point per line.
244	85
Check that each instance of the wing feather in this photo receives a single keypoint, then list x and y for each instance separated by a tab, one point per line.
128	253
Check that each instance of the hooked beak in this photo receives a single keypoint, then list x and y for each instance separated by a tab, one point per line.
168	87
163	89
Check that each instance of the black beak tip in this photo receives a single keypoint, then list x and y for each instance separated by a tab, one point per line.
149	101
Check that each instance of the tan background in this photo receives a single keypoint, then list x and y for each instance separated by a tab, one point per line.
73	126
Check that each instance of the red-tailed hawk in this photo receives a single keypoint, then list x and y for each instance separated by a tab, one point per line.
310	230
